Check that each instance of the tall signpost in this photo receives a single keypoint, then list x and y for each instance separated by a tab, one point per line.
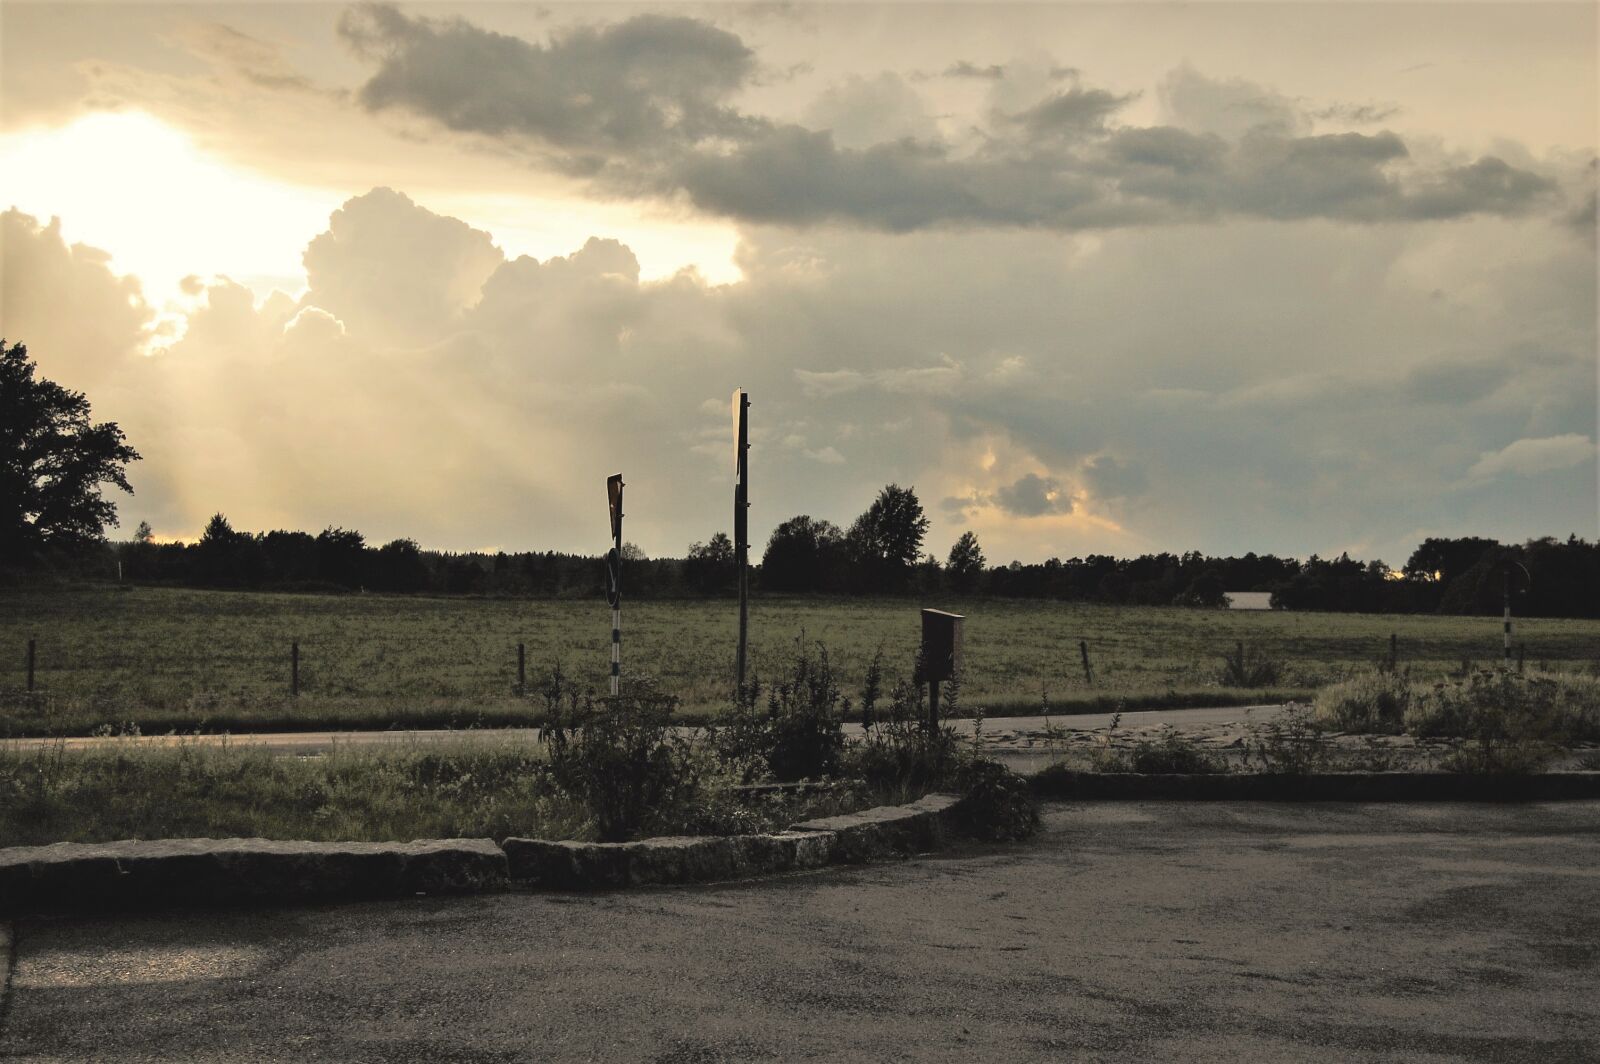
741	516
614	579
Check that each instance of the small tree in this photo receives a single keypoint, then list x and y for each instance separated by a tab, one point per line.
966	562
712	567
53	461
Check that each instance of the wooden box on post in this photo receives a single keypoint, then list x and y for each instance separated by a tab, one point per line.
941	645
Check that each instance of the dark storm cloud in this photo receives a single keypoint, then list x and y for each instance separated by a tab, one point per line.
641	106
635	87
1073	112
1033	496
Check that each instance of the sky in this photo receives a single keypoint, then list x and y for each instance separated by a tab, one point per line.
1118	278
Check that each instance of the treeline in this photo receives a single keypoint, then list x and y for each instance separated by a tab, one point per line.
881	554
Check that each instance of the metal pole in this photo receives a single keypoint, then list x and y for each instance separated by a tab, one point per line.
741	524
294	669
1083	648
1506	637
522	669
1394	651
30	665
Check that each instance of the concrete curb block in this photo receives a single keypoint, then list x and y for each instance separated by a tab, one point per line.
813	844
1326	787
70	876
130	874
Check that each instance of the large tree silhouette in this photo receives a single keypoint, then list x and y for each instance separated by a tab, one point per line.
53	461
886	541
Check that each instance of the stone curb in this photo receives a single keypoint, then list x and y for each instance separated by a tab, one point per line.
812	844
131	874
1325	787
70	876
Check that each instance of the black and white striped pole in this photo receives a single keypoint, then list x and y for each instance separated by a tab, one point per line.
614	580
1506	570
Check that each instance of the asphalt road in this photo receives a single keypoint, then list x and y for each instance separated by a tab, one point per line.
1128	931
320	741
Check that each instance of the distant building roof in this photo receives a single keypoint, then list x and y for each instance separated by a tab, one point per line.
1249	600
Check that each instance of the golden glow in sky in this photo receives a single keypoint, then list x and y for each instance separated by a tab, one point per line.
139	188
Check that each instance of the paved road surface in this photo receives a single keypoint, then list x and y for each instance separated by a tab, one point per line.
1128	932
318	742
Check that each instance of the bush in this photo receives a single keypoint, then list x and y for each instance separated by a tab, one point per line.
799	734
618	755
1369	702
1173	753
897	749
1247	666
1498	704
1289	744
999	805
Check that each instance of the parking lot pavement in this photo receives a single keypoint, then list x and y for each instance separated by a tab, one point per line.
1127	931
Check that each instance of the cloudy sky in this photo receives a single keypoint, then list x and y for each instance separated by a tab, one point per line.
1116	278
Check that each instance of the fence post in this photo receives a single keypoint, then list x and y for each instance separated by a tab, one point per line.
1083	649
522	670
30	665
1394	655
294	669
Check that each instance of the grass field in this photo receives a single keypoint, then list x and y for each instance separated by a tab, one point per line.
168	658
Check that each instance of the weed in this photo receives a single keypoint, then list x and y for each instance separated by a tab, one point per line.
1173	753
1288	744
618	755
1375	701
1247	666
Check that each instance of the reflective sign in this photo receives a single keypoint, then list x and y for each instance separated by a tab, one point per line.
614	494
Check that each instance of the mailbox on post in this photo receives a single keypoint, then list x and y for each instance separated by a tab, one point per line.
941	656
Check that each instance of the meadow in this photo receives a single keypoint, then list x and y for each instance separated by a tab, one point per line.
160	659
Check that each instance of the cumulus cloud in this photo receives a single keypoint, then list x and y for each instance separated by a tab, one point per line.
643	107
1532	456
77	317
396	271
1031	395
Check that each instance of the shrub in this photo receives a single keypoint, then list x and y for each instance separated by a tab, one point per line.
999	805
1173	752
1368	702
1505	705
618	755
798	734
1288	744
898	749
1247	666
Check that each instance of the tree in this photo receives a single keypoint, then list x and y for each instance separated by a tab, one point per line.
966	562
712	567
803	555
144	534
887	540
53	461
